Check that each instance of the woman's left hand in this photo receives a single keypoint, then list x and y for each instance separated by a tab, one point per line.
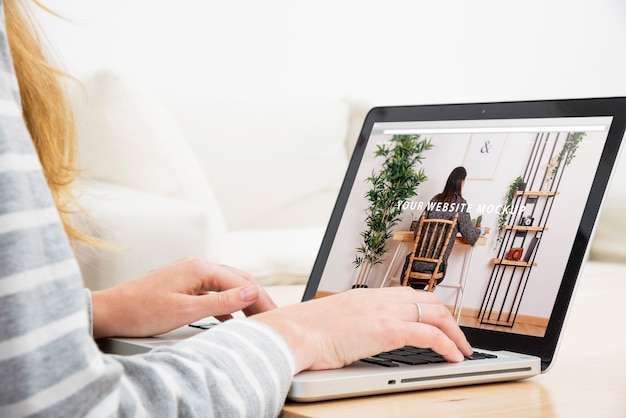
175	295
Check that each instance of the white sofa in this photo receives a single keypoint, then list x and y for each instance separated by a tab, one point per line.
245	184
250	184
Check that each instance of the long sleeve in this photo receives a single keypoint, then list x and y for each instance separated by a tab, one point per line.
50	365
467	229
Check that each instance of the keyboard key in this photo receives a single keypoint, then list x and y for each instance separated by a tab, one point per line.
415	356
380	362
412	360
480	356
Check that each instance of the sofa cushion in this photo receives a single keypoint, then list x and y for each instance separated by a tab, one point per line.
273	256
127	137
143	231
276	166
273	163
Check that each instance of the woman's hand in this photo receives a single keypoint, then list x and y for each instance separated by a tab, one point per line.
323	333
172	296
337	330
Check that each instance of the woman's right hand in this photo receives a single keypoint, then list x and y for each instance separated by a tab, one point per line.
337	330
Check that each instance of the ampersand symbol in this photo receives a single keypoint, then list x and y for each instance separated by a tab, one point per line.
486	147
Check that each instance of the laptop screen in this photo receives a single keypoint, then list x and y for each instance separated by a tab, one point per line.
523	182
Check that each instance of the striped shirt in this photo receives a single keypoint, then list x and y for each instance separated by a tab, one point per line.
50	365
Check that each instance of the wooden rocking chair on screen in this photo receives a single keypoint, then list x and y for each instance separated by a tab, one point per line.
431	240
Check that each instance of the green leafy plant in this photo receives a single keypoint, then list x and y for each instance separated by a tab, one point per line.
568	152
396	181
508	204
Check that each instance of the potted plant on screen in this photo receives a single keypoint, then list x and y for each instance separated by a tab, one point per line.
396	181
516	184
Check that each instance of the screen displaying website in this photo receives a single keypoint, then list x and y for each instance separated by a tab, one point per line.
513	192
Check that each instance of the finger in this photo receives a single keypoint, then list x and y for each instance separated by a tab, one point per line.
428	336
224	303
434	313
236	277
439	317
219	278
264	301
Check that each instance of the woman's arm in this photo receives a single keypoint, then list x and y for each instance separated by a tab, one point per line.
50	365
467	229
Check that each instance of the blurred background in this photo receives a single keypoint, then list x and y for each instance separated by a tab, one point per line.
225	127
392	52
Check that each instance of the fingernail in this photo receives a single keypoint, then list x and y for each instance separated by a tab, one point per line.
458	357
249	293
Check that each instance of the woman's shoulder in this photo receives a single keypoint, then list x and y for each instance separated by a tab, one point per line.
457	198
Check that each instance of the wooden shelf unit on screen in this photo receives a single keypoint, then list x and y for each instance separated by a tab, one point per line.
521	236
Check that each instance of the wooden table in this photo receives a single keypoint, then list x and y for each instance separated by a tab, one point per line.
588	378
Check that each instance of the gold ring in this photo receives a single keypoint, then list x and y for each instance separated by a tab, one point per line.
419	312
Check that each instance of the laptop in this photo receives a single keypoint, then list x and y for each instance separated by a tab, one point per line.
536	175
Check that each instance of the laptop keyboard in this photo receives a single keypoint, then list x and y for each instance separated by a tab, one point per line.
415	356
406	355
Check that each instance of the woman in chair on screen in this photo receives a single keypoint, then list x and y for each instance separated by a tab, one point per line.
456	204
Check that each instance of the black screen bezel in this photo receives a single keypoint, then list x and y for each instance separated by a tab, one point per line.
543	347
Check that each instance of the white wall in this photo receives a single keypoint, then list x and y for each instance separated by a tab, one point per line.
393	52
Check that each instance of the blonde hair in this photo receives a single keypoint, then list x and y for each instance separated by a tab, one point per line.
46	109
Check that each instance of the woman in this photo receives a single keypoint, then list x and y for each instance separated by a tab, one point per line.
49	362
446	205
